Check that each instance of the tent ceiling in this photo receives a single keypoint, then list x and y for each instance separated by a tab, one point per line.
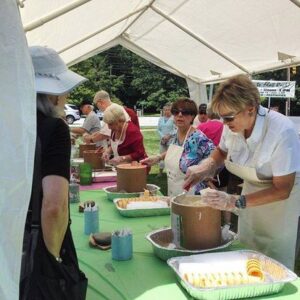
203	40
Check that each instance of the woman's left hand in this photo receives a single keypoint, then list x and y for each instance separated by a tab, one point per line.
220	200
116	160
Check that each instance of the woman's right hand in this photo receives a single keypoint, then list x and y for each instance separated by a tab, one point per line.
152	160
204	171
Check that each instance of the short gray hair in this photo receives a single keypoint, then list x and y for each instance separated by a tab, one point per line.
113	113
101	95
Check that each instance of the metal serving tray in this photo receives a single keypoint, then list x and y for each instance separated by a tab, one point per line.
163	248
112	193
275	274
144	212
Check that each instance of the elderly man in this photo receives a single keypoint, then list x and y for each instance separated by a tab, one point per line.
102	101
91	123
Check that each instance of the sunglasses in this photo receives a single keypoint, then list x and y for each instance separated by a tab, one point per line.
202	113
184	112
229	118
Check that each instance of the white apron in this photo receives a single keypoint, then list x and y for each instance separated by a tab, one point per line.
114	144
174	174
270	228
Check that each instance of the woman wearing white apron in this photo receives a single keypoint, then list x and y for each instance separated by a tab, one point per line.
261	147
189	147
126	143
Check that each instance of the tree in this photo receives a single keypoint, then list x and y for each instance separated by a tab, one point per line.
129	79
97	71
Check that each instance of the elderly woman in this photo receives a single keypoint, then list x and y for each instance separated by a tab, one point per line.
166	130
126	143
189	147
55	247
262	147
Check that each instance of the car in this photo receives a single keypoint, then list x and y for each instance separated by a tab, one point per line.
72	113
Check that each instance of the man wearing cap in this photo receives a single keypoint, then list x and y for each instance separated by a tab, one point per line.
91	123
202	115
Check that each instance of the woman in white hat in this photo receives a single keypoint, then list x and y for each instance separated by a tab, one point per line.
53	82
262	147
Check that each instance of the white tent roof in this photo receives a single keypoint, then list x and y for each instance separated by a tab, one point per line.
201	40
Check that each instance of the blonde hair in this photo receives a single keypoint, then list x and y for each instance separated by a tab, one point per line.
101	95
236	94
114	113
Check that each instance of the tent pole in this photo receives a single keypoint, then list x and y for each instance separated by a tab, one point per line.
201	40
288	102
296	2
158	59
142	12
101	30
54	14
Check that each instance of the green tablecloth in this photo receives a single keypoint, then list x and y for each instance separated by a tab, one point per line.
144	277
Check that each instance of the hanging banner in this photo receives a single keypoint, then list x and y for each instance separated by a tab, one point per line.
275	89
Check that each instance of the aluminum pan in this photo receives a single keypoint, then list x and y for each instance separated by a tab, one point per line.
112	193
272	285
146	212
161	238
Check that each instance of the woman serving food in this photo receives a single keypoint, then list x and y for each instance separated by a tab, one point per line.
188	148
126	142
262	147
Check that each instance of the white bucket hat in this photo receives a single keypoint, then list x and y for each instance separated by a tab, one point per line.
52	76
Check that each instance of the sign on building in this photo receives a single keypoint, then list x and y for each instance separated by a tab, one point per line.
276	89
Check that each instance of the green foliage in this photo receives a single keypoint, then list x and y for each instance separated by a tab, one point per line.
95	69
129	79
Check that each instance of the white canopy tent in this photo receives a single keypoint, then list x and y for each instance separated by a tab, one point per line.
204	41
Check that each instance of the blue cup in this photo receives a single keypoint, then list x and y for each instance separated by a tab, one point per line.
91	221
121	247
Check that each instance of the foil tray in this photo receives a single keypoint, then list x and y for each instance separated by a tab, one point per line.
112	193
276	274
143	212
162	238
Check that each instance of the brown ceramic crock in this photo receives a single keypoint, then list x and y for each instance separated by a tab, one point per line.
131	177
85	147
195	226
94	158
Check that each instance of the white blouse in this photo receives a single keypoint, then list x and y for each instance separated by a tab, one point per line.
273	152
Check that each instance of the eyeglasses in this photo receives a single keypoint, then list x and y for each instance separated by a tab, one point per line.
184	112
229	118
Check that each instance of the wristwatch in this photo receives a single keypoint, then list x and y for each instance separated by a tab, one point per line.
241	202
